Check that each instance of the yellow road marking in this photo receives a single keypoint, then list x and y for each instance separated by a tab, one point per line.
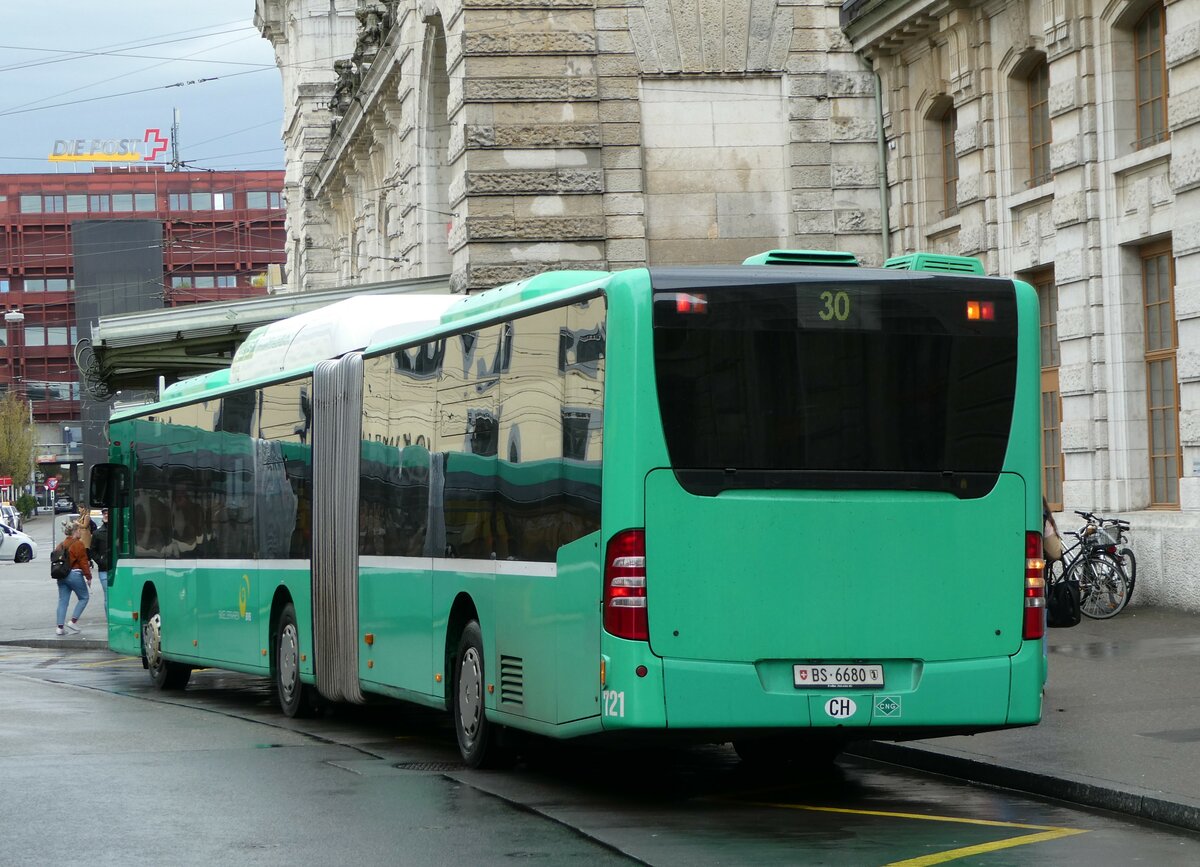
924	816
1045	832
118	661
983	848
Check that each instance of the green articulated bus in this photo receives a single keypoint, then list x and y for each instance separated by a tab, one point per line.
788	504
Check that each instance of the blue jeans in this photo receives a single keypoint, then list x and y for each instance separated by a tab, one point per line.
103	576
73	583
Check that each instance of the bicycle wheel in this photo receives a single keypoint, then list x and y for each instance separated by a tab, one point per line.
1103	587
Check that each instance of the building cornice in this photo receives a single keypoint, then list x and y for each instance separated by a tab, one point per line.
344	136
881	27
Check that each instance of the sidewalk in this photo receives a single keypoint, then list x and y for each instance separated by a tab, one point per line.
29	597
1120	728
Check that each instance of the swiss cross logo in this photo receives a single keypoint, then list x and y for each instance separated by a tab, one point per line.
802	674
158	144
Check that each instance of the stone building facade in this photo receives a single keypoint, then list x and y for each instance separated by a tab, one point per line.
1057	141
1060	141
492	139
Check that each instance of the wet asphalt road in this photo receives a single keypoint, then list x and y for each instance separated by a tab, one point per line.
96	766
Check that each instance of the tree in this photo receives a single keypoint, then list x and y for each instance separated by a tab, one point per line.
16	439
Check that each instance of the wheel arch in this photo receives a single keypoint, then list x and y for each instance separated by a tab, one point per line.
462	612
149	594
279	600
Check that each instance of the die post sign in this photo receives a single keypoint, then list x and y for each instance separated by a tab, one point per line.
110	150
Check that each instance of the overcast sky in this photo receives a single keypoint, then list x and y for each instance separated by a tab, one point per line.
50	90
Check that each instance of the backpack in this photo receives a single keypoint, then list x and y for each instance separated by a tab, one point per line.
1062	604
60	565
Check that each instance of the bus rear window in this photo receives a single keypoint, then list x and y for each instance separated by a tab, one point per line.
901	384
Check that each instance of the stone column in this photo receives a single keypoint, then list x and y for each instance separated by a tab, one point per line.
527	175
304	33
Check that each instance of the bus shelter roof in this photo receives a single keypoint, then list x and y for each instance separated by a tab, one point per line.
132	350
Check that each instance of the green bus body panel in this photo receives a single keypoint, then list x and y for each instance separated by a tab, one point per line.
124	595
552	626
1028	678
1024	455
848	575
971	692
395	606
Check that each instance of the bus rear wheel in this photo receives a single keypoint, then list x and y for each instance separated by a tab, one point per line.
478	739
164	674
297	699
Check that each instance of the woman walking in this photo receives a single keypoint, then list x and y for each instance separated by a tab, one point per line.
77	580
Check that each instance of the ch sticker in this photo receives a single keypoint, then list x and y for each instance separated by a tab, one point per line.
841	708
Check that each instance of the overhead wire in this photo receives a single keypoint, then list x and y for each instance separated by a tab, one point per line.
75	54
22	108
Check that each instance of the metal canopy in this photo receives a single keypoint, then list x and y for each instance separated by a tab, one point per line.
133	350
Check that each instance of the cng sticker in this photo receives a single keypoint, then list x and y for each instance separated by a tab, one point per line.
841	708
887	705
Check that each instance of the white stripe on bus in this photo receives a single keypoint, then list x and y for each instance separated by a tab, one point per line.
527	568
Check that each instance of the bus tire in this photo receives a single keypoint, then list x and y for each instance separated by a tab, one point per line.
297	699
478	739
164	674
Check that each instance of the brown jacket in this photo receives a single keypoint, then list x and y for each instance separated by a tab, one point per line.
77	556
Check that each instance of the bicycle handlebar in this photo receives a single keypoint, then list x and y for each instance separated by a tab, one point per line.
1093	518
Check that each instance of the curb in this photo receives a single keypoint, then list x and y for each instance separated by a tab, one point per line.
1083	791
63	643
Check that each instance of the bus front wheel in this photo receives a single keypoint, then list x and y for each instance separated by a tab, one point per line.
296	698
163	673
478	739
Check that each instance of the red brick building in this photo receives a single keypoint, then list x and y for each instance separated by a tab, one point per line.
219	233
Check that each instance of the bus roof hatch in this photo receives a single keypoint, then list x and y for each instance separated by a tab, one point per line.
804	257
936	262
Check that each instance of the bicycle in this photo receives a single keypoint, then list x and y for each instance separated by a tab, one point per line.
1114	535
1097	565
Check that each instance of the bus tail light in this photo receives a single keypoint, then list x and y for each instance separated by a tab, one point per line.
625	586
1035	588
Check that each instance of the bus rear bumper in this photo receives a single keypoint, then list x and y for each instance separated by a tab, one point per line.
981	693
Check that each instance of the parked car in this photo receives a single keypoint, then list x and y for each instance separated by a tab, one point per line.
15	545
64	504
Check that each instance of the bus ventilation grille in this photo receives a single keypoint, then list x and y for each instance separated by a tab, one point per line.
804	257
935	262
512	680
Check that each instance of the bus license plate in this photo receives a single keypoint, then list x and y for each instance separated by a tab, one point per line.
808	676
